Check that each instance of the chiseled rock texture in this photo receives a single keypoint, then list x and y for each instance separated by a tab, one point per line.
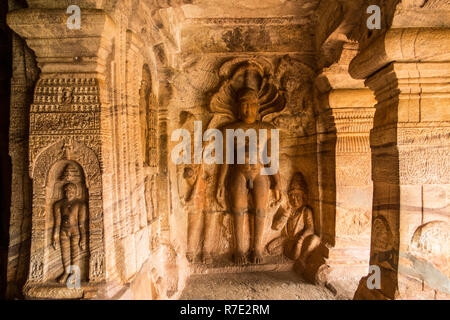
97	208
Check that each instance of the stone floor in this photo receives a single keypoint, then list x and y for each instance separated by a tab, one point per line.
253	286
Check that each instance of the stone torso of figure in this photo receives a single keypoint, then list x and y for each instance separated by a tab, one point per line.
247	168
299	220
70	214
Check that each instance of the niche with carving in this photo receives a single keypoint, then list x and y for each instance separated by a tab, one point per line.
67	205
67	244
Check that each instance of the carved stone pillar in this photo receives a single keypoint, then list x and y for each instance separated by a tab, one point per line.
409	71
69	144
352	114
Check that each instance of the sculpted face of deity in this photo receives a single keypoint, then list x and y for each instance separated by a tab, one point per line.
298	191
248	106
70	191
296	198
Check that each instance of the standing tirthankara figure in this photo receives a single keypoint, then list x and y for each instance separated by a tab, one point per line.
298	238
69	227
246	180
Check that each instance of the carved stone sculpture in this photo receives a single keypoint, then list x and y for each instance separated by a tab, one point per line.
69	226
192	184
193	198
298	238
246	180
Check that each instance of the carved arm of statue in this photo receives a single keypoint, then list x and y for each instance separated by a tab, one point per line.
276	176
223	170
82	225
277	189
56	224
280	219
309	226
180	177
188	183
199	176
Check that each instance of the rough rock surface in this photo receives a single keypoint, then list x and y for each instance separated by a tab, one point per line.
253	286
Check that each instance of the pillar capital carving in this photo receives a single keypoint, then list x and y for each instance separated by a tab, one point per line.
402	45
411	92
59	49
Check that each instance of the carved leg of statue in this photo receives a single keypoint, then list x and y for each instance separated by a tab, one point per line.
75	249
290	246
209	242
275	247
239	203
195	228
66	256
260	192
310	244
295	249
239	231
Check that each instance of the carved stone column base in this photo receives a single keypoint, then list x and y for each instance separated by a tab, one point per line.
61	291
364	293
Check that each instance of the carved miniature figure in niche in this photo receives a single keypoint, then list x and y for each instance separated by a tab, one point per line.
248	190
65	95
69	227
383	252
298	239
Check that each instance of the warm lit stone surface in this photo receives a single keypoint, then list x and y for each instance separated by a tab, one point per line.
363	125
253	286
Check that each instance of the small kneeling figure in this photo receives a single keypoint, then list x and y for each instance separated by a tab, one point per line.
297	239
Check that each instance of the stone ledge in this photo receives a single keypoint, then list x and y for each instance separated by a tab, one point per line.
274	264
